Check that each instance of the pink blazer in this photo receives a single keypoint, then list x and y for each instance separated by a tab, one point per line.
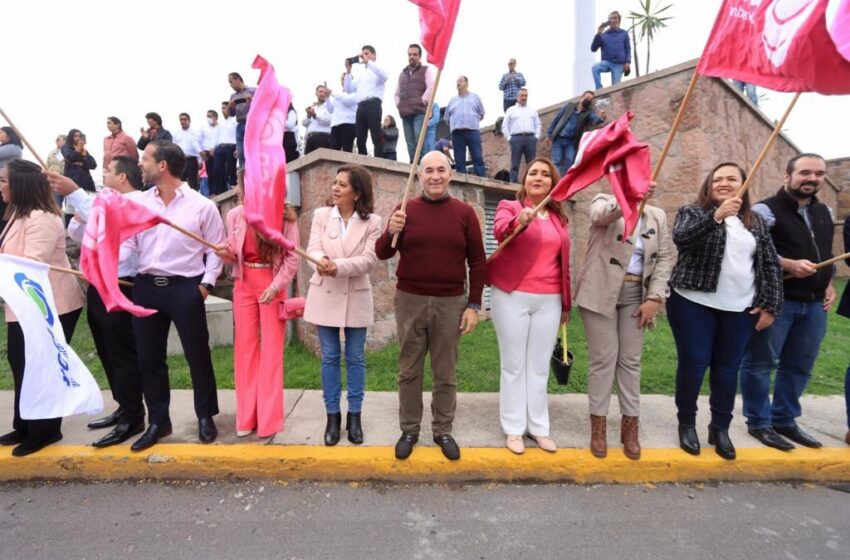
284	270
509	267
346	299
41	237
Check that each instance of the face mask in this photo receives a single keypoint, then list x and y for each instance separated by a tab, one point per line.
585	103
209	121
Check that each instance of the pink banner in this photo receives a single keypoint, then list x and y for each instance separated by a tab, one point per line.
437	24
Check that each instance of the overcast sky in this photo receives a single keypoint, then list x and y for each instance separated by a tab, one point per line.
72	64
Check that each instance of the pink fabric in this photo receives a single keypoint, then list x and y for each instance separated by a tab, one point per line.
251	249
839	27
284	269
258	341
614	151
544	276
507	269
265	160
113	220
782	45
437	22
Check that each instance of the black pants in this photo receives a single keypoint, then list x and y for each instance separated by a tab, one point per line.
342	137
116	345
316	140
368	121
180	302
190	174
223	169
33	430
290	146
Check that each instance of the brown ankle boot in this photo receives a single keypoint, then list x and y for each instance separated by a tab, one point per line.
629	437
598	436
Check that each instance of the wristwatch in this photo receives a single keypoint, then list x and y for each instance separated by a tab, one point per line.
207	286
475	306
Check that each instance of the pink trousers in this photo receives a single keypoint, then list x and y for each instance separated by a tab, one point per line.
257	355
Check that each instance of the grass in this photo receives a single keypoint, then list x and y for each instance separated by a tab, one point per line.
478	365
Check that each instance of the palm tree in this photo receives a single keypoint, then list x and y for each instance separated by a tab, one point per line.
634	48
649	23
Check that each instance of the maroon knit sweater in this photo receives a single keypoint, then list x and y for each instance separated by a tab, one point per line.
440	238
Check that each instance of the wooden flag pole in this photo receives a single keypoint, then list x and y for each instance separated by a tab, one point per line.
23	138
81	275
833	260
422	133
776	130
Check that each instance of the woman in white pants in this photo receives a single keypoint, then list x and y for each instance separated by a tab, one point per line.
530	299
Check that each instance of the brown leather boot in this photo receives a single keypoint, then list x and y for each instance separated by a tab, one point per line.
598	436
629	437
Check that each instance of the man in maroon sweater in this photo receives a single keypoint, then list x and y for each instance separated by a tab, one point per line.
440	237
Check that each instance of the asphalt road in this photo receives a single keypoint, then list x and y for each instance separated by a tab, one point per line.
248	520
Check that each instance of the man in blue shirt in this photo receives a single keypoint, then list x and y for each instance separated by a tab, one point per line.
464	114
566	129
616	51
510	85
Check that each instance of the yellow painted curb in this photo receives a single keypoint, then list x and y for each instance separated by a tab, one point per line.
427	464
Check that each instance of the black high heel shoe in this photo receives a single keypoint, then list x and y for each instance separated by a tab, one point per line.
332	429
688	439
721	442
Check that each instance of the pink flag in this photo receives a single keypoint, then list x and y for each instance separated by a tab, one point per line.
437	22
114	219
838	23
782	45
265	160
613	151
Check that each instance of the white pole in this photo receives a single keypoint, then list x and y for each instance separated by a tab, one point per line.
583	59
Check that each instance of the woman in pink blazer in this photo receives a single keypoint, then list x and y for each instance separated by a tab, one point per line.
343	239
35	231
262	273
531	297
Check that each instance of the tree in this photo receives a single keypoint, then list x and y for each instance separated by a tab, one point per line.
648	22
634	48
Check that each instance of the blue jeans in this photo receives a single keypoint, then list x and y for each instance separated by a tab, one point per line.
707	338
468	137
355	366
430	139
412	128
240	143
563	153
749	89
790	345
605	66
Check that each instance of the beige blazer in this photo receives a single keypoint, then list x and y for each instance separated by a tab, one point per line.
346	299
41	237
601	278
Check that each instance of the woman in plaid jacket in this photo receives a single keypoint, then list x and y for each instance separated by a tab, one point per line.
726	285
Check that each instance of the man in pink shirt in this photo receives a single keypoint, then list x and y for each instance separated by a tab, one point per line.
176	274
118	143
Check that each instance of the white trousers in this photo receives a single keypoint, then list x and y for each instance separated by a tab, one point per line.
526	328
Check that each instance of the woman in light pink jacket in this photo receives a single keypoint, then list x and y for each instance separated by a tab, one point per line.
343	239
262	273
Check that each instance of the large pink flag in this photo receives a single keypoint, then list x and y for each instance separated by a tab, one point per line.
114	219
838	23
265	160
437	23
783	45
614	151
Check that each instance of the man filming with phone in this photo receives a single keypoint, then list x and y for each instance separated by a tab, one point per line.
368	89
616	51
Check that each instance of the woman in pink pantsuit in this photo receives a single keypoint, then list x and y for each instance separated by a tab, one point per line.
262	272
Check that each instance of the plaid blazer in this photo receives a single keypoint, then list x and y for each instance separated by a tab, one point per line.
701	242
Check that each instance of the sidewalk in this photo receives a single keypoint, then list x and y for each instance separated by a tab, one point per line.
298	452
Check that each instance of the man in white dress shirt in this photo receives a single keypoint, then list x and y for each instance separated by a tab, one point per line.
224	164
368	88
190	142
318	121
343	130
521	127
208	138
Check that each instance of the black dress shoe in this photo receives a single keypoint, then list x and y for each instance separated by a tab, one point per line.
768	437
121	433
332	428
688	439
28	446
106	421
449	446
151	436
354	428
795	434
404	445
207	432
12	438
721	442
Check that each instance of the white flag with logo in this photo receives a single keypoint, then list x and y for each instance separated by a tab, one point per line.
56	382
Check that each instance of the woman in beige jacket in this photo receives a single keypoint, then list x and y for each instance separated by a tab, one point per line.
619	291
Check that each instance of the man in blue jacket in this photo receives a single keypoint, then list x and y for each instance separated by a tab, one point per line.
565	130
616	51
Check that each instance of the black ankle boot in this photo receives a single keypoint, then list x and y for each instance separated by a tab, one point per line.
332	428
721	442
354	427
688	439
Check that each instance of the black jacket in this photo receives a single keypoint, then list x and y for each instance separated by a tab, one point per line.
77	167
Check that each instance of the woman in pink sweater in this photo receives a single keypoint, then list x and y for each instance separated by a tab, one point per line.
530	299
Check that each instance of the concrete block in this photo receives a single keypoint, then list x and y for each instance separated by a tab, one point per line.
219	323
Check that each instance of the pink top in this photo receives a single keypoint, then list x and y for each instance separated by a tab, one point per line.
251	249
544	276
119	145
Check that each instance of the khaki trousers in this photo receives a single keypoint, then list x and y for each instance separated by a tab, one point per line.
614	346
427	325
